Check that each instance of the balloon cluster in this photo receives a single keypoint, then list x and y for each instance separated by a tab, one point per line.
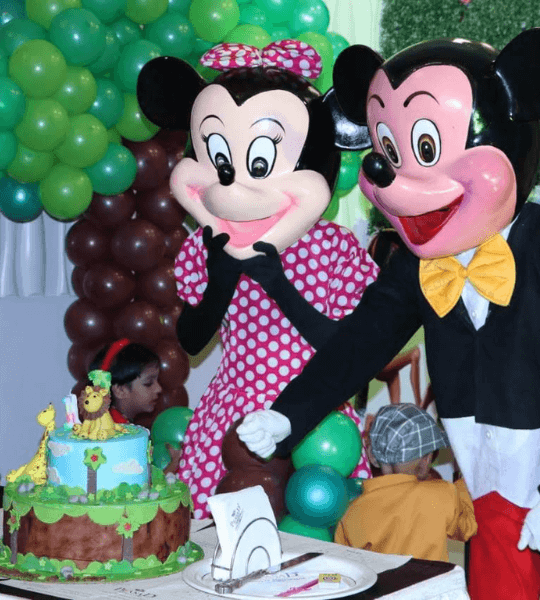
319	491
68	74
123	249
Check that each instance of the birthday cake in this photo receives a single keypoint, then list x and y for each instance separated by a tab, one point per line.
92	509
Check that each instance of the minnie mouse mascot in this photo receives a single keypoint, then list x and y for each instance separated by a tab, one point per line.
262	268
456	145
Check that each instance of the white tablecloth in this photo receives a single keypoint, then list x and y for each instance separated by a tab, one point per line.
449	586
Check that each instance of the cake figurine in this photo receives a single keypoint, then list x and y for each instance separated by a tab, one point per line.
37	467
263	269
72	411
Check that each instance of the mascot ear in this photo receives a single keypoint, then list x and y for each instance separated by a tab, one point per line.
518	67
348	135
353	71
166	90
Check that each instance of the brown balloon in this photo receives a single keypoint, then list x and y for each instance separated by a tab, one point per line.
110	212
173	364
139	322
166	399
158	285
173	241
138	245
77	276
152	164
107	285
169	318
240	479
86	243
79	359
86	324
160	207
172	141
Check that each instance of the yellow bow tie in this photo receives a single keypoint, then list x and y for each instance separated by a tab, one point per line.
492	272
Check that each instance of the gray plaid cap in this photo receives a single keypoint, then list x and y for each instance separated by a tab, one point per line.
404	432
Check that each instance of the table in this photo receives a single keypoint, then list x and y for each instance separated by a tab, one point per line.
400	578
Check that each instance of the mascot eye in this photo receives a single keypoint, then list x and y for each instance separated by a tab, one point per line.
218	150
426	142
261	157
388	144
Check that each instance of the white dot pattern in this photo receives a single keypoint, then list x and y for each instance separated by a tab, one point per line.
271	349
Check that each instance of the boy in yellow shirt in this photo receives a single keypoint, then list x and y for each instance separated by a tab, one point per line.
403	511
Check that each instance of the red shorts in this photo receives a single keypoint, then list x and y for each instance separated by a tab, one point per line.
497	569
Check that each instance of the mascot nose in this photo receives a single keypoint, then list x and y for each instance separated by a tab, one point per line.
226	173
378	170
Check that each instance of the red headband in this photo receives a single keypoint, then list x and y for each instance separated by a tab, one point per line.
112	352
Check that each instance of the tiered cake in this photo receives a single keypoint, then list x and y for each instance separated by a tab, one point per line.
89	509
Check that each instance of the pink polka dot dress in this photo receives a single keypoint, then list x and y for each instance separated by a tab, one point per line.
262	350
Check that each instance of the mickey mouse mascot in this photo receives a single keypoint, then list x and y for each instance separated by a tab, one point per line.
262	268
456	142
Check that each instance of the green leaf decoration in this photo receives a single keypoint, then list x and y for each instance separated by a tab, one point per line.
169	505
100	378
127	527
48	514
142	513
105	515
94	458
14	521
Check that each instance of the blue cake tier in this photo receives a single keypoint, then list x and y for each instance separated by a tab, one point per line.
122	458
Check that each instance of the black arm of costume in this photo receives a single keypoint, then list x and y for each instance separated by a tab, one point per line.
373	334
197	325
267	270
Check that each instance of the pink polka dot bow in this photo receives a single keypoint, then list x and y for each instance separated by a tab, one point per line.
293	55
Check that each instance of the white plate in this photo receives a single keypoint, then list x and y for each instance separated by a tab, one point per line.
355	577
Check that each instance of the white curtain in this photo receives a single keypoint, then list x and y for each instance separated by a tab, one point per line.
32	258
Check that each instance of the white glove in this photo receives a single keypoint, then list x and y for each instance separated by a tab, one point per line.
262	430
530	533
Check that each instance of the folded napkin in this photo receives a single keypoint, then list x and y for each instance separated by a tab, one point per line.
246	527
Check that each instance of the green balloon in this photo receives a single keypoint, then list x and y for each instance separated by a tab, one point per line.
278	32
202	46
160	455
291	525
333	208
106	11
335	442
38	67
115	172
8	148
114	137
44	11
79	35
126	31
78	90
213	19
252	15
44	124
132	59
110	55
310	15
179	6
109	103
145	11
3	63
19	31
171	425
173	34
355	487
348	171
339	43
133	125
85	143
66	192
19	202
253	35
30	165
12	104
277	11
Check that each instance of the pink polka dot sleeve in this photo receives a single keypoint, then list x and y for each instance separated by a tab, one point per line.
190	269
351	271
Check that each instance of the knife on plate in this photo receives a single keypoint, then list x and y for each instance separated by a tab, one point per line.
229	585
